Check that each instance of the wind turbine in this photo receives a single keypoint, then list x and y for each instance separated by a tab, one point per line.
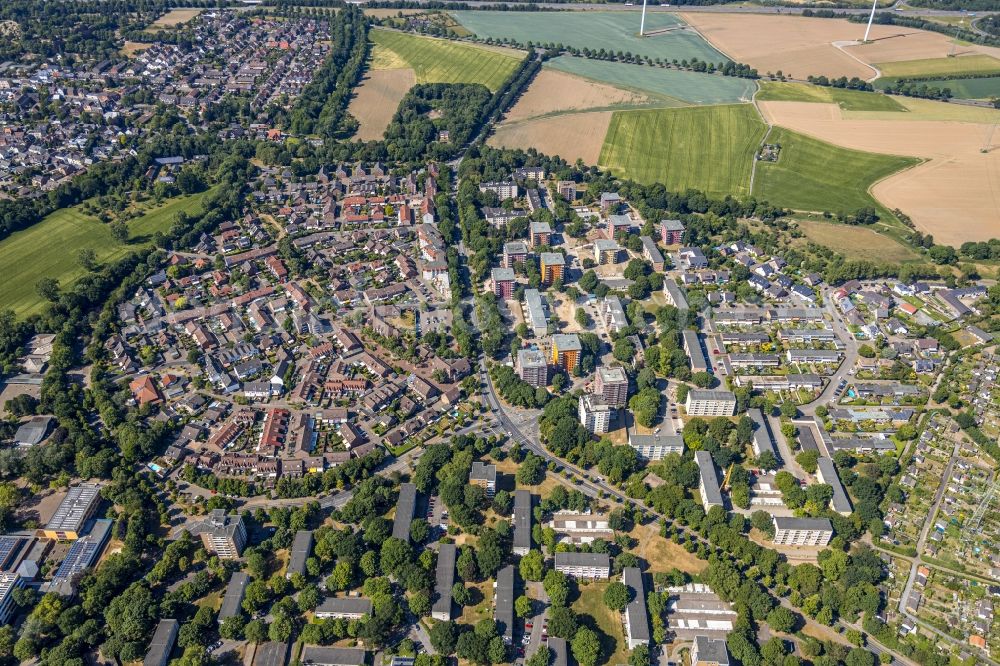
870	19
642	21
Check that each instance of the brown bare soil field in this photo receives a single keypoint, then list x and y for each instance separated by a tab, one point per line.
377	98
131	48
800	46
572	136
954	195
174	17
553	91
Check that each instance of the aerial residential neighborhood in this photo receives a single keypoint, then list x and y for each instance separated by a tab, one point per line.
543	335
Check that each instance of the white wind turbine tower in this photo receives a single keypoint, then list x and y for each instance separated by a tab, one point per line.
870	19
642	21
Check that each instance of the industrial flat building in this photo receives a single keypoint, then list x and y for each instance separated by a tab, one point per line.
67	523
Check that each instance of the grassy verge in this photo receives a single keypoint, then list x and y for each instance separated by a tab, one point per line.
849	100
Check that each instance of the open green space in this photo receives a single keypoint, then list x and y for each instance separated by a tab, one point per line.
942	67
980	88
594	614
49	248
812	175
611	31
709	148
849	100
442	61
690	87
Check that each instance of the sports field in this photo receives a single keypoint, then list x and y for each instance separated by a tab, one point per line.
689	87
968	64
710	148
49	249
849	100
984	88
812	175
612	31
442	61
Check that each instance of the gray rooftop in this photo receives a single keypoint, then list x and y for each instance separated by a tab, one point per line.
638	620
504	603
567	341
791	523
763	440
162	643
583	560
332	656
232	603
445	578
272	653
840	503
406	507
346	605
530	358
301	549
560	656
503	275
706	394
712	650
33	432
75	508
522	519
552	259
709	479
483	472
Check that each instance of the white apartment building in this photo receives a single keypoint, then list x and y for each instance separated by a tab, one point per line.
702	402
595	414
802	531
584	565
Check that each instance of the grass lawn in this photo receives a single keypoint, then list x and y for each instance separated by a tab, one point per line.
709	148
972	64
49	248
849	100
812	175
859	243
611	31
689	87
663	554
441	61
594	614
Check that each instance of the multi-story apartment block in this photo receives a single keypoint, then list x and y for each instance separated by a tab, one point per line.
521	522
514	252
532	368
222	535
445	578
674	295
344	608
540	234
595	414
826	472
611	383
535	313
802	531
566	189
72	514
613	314
505	189
655	446
636	619
671	232
553	267
606	251
579	528
485	476
695	353
566	351
702	402
503	283
708	480
584	565
652	254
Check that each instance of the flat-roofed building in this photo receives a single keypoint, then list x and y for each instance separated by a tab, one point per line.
694	351
232	602
503	280
708	480
302	545
762	439
636	618
485	476
13	548
594	413
655	446
584	565
581	528
671	232
321	655
709	652
532	367
652	254
613	313
522	522
703	402
826	472
553	267
566	350
406	507
445	578
346	608
222	535
606	251
611	383
83	554
695	610
503	603
675	296
535	313
514	252
72	514
813	356
790	531
162	643
560	654
8	583
540	233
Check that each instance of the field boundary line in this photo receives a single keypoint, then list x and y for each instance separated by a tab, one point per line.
840	47
753	167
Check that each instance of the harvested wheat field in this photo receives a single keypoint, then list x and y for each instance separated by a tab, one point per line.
954	195
800	46
375	101
557	92
174	17
572	137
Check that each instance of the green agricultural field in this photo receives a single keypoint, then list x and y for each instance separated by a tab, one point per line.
688	87
441	61
849	100
709	148
49	248
812	175
942	67
612	31
984	88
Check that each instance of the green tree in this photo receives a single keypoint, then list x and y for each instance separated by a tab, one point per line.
522	606
586	647
532	566
616	596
